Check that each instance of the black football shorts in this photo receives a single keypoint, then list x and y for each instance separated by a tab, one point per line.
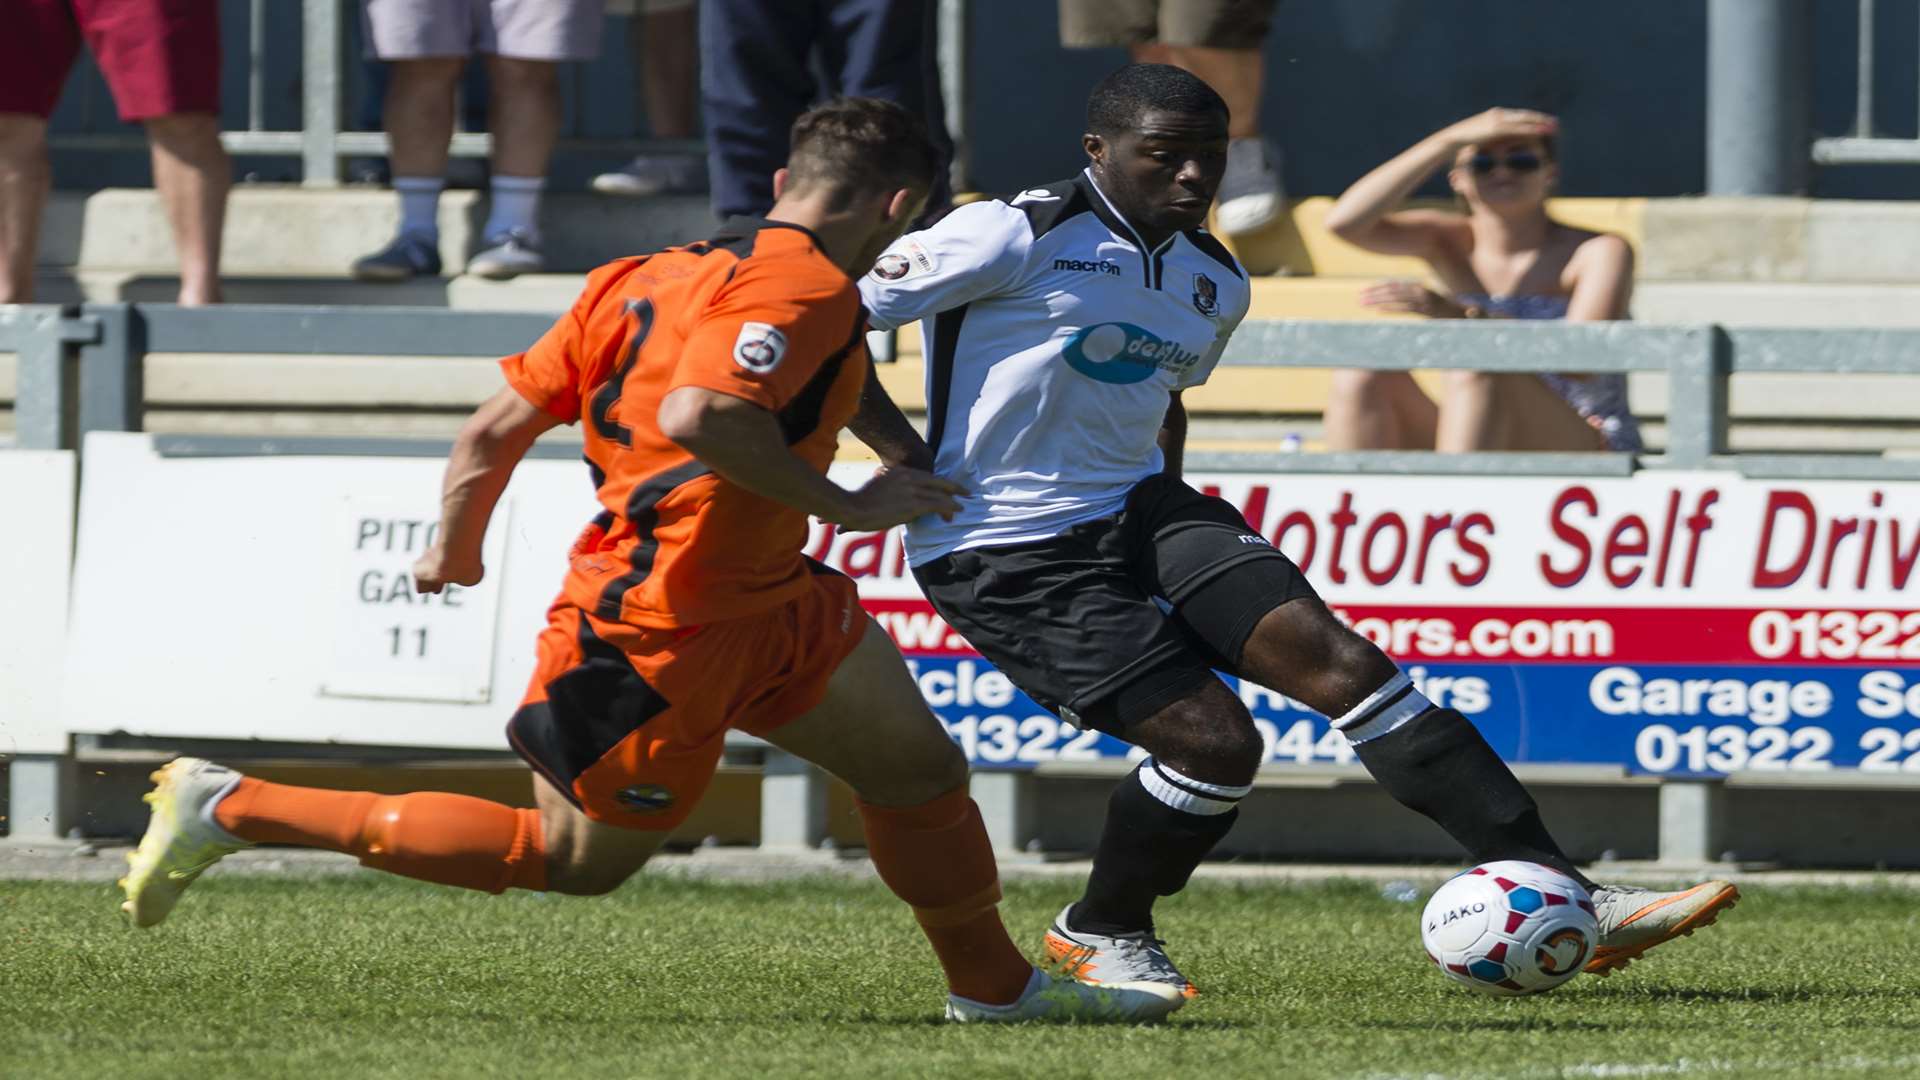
1114	619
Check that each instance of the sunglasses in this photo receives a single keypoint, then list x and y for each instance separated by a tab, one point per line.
1520	161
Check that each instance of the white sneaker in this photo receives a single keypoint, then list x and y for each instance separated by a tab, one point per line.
182	839
1122	961
648	175
507	256
1250	196
1063	1000
1635	920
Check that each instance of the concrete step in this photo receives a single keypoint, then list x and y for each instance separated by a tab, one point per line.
1778	304
1833	241
281	231
285	231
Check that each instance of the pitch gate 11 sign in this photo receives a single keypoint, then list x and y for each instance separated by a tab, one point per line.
1669	623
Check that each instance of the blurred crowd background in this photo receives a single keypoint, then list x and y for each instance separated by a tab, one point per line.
1344	115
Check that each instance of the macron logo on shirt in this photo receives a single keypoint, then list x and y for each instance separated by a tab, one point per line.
1086	266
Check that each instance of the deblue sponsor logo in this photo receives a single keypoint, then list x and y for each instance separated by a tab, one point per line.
1119	352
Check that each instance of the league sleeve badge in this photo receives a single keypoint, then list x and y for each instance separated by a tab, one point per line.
760	347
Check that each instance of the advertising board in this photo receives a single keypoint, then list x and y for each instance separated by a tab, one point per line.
1669	623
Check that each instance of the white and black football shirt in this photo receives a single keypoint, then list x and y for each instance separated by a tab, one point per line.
1054	338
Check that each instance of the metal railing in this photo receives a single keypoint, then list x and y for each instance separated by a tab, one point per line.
322	142
82	370
1862	146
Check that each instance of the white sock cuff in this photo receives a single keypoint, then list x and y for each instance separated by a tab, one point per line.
419	205
213	823
515	207
1187	794
1396	703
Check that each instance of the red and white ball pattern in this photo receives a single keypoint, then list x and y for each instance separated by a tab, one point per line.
1510	928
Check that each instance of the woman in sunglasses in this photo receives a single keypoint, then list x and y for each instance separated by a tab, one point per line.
1505	258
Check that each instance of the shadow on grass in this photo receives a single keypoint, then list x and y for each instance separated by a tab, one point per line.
1529	1023
1681	995
923	1021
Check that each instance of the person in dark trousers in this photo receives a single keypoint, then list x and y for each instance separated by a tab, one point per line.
764	62
1062	327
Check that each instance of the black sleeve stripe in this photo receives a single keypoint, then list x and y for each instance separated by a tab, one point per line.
946	342
802	415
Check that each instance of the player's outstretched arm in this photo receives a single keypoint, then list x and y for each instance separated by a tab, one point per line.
885	429
489	446
743	444
1365	215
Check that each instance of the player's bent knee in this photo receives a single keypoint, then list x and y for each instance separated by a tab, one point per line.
1353	657
574	871
1208	736
930	772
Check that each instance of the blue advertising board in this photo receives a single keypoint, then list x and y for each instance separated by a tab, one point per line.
1684	624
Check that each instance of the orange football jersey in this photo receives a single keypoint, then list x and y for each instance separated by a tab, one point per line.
758	312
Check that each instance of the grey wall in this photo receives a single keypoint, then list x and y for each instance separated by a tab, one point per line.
1351	82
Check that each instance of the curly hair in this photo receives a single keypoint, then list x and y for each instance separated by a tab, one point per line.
1117	103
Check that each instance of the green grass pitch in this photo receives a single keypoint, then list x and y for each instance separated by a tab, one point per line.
368	976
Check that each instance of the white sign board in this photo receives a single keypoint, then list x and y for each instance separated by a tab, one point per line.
391	641
216	598
36	556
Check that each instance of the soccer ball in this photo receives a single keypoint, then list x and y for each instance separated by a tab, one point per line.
1510	928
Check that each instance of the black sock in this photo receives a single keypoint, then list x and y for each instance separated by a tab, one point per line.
1439	765
1150	846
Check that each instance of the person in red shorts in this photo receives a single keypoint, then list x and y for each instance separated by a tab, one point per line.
713	380
162	61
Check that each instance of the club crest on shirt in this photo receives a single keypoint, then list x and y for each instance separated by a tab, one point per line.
909	258
1206	296
760	347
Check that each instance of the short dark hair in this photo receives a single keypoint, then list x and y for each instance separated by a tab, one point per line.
1120	99
861	146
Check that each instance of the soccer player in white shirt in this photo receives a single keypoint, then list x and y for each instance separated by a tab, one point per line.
1061	327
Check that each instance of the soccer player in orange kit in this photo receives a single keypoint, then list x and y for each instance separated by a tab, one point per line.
714	380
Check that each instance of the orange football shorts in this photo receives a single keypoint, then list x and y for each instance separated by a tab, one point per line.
630	723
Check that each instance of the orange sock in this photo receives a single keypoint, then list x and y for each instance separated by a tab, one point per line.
936	857
429	835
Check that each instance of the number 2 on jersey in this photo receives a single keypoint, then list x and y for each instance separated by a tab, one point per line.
608	395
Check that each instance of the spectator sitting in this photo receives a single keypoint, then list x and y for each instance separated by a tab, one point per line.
428	43
1220	41
1504	259
162	61
665	46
